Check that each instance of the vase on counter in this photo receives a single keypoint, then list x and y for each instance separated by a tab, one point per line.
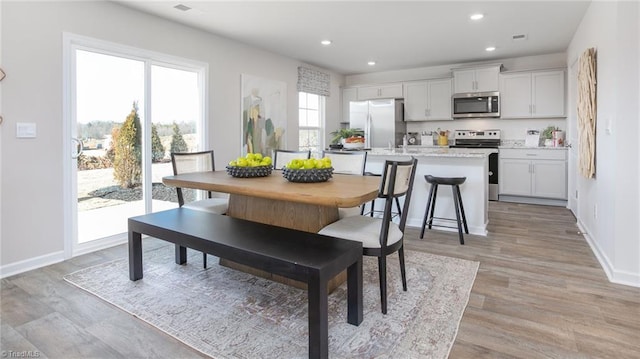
557	138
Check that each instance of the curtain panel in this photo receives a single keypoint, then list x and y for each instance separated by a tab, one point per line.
313	81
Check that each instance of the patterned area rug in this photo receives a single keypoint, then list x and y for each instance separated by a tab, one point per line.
229	314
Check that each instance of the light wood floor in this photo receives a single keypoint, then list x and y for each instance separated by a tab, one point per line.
539	293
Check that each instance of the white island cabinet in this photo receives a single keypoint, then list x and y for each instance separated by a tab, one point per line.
444	162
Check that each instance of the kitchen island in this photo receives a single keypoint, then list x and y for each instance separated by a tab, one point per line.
444	162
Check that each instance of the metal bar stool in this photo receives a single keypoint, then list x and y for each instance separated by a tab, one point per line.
455	183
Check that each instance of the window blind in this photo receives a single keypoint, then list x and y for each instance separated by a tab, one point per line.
313	81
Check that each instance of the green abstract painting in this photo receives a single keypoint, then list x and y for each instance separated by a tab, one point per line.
264	115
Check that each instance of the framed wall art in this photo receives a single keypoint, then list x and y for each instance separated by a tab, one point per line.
264	115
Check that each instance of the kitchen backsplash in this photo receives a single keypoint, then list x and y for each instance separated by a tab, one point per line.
511	129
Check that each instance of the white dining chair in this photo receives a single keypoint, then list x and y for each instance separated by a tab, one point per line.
207	201
282	157
350	163
381	237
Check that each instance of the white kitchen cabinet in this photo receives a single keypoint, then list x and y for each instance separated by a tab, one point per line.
483	79
348	95
533	173
428	100
380	91
536	94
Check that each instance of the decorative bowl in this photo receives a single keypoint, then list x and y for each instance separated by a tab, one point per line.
353	146
247	172
307	175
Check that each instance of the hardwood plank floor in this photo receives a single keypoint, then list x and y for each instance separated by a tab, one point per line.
539	293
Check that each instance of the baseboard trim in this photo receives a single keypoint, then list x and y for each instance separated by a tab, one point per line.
533	200
57	257
614	275
31	263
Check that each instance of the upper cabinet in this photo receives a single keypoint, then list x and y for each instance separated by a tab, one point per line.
482	79
535	94
348	95
427	100
379	92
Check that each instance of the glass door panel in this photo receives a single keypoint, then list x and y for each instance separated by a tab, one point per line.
109	115
175	119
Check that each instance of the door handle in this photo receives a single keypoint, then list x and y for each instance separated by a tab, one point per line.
79	147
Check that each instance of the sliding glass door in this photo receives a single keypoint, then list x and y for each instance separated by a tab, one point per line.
126	111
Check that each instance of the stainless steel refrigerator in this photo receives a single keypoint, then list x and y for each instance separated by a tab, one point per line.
381	120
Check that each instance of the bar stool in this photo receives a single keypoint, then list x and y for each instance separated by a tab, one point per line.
455	183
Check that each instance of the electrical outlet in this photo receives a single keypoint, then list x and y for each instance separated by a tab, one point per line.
595	211
576	194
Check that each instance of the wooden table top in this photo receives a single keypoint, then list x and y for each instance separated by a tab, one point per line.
339	191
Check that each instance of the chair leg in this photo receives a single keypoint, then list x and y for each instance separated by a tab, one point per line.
382	270
426	213
204	260
457	205
433	204
373	205
464	218
398	207
403	272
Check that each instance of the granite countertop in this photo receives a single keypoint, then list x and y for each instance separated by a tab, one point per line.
434	152
517	144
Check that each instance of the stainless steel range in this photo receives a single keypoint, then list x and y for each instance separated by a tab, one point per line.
482	139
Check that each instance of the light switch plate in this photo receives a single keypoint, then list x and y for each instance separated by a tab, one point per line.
25	130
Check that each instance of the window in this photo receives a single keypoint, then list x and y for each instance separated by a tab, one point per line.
310	121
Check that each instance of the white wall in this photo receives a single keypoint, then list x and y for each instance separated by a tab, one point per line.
422	73
608	208
32	174
512	129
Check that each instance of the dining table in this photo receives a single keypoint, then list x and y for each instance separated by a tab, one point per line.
276	201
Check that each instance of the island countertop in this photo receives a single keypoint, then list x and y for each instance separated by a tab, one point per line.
471	163
435	152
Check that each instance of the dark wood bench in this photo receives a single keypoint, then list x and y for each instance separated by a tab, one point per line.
303	256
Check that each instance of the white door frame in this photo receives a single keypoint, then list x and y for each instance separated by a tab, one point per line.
71	43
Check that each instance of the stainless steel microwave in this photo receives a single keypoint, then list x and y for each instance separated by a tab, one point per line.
476	104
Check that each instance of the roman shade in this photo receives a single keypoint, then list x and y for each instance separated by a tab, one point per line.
313	81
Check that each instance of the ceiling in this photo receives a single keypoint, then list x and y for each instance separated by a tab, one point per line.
395	34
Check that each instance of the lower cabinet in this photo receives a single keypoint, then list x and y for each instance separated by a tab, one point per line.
533	173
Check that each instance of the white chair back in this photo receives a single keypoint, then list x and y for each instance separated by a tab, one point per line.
282	157
350	163
402	179
192	162
398	176
187	162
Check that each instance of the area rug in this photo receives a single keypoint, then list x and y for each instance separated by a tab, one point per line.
225	313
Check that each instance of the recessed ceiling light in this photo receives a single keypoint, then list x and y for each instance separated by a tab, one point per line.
476	16
371	63
490	48
326	42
